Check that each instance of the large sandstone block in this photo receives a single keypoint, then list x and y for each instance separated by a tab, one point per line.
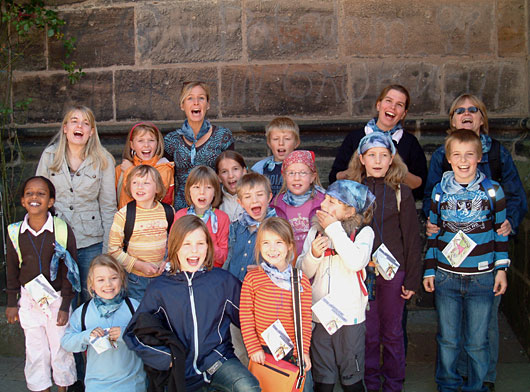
188	31
104	37
499	84
291	30
421	79
418	27
287	89
28	53
154	94
52	95
511	29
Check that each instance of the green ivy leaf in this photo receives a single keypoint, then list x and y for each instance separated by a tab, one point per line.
51	32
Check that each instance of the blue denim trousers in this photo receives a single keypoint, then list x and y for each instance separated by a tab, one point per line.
84	258
232	376
136	286
463	305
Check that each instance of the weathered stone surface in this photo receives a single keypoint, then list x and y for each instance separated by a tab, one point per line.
104	37
53	95
154	94
291	30
404	28
499	84
273	90
28	53
511	29
192	31
421	79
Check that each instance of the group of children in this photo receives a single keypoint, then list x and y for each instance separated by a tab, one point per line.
258	229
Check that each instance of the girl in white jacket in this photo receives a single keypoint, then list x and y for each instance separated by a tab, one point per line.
336	252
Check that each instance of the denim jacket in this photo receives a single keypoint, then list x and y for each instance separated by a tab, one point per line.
241	243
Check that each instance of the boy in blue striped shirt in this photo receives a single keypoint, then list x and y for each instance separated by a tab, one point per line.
468	207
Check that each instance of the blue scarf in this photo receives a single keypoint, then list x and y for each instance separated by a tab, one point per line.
246	220
208	214
73	270
485	140
297	200
451	186
282	279
396	132
270	164
187	132
106	307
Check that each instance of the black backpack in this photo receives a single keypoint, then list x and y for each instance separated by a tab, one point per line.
85	307
494	161
130	217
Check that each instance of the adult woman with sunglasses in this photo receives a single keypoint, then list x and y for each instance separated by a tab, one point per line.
469	112
197	142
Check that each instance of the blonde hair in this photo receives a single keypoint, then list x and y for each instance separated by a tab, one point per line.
395	175
187	87
179	231
199	175
252	180
463	136
139	130
282	229
142	171
93	149
477	102
283	124
105	260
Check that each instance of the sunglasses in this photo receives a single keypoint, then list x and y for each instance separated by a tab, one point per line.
471	109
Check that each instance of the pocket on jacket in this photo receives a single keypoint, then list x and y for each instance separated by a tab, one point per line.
91	222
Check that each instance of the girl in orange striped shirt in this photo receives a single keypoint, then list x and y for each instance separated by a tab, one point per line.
266	296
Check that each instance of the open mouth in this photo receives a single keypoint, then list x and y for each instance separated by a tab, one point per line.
390	115
193	261
467	121
196	112
256	211
78	133
34	204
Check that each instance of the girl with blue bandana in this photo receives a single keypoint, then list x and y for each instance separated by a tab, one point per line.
396	228
31	257
336	252
203	195
197	142
392	106
116	368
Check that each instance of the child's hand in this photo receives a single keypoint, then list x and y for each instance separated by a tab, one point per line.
501	283
97	332
307	362
428	284
114	333
252	267
12	315
62	318
406	294
505	229
161	268
258	357
125	164
319	245
325	219
430	228
149	269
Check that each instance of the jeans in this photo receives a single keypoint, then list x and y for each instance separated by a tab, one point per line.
232	376
493	345
463	305
84	257
136	286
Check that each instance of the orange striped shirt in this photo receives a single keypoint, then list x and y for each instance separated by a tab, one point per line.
262	303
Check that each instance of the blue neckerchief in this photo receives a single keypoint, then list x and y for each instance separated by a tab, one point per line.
187	132
73	270
271	163
297	200
106	307
246	220
208	214
485	140
396	132
282	279
451	186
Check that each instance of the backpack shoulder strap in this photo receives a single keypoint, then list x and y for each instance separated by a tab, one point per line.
494	160
60	231
83	315
170	215
129	305
13	231
130	217
297	311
